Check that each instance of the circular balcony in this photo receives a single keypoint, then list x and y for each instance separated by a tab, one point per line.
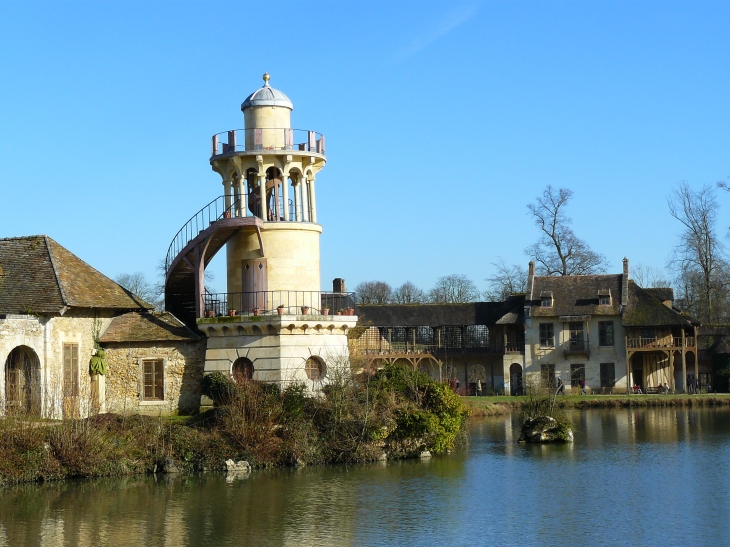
263	140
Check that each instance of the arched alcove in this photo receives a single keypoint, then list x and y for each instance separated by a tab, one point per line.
22	382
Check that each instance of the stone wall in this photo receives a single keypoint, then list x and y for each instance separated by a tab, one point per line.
183	362
45	336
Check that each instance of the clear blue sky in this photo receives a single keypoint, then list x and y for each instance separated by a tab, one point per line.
443	120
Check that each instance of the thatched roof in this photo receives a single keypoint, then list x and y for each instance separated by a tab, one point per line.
576	295
37	275
646	310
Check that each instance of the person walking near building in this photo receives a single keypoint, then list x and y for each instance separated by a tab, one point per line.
561	386
583	387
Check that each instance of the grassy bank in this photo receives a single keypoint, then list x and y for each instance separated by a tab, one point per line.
396	413
492	406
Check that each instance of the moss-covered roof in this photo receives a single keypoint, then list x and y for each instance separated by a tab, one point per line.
646	310
147	327
576	295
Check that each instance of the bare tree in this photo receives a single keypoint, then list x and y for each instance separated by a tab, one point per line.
699	257
559	251
373	292
408	293
453	289
137	284
649	277
508	280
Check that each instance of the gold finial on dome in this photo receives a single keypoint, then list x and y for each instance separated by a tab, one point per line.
266	77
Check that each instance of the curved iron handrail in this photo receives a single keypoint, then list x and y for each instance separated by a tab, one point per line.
198	222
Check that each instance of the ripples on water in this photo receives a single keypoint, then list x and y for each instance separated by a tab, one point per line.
632	477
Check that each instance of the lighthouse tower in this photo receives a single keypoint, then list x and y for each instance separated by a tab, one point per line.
273	323
269	170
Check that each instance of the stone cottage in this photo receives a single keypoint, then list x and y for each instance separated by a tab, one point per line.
54	310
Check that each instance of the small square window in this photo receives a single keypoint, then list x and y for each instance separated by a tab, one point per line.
604	298
546	300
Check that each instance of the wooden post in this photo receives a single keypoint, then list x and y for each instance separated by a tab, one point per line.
684	363
628	367
671	370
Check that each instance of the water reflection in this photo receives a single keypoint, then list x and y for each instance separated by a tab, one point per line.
653	476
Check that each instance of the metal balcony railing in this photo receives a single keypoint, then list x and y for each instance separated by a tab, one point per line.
270	302
576	345
267	139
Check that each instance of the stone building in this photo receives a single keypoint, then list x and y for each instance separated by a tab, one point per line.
607	331
54	308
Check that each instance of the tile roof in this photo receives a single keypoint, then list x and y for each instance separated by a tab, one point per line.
576	295
41	276
147	327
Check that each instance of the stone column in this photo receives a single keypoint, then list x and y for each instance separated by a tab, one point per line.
306	217
227	191
285	194
297	200
262	193
313	197
241	209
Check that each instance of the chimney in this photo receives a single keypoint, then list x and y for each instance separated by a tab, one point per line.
338	285
625	284
528	290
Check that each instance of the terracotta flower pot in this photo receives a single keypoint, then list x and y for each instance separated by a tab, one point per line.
227	214
256	311
280	310
305	310
325	311
231	313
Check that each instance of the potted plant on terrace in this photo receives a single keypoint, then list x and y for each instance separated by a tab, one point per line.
231	312
305	310
325	310
280	309
256	310
208	313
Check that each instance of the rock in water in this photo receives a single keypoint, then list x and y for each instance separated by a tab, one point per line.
545	429
238	467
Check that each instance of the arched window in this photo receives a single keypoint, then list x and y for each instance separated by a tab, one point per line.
315	368
242	370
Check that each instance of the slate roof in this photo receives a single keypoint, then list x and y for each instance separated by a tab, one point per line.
147	327
434	315
576	295
40	276
646	310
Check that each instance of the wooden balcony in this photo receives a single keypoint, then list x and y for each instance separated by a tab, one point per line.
666	342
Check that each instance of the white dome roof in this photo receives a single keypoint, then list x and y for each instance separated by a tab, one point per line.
267	96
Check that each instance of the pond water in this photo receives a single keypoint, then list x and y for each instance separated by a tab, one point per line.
632	477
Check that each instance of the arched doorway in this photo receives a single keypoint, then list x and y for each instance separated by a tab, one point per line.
22	382
242	370
515	379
